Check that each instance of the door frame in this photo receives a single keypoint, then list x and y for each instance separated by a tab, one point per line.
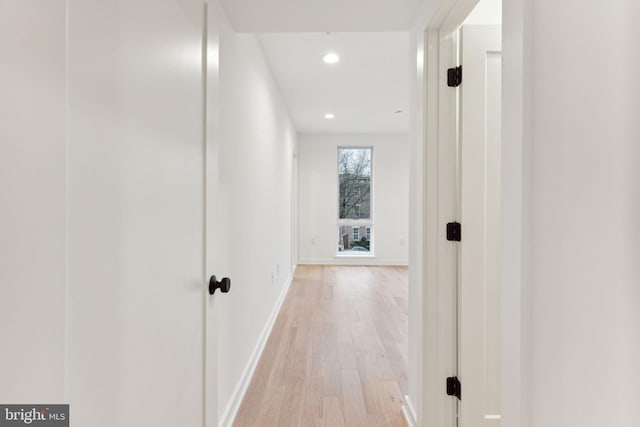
209	316
431	258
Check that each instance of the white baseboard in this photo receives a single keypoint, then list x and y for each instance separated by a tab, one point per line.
230	412
409	413
354	261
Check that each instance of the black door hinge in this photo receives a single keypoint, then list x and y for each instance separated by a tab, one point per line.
454	388
454	232
454	76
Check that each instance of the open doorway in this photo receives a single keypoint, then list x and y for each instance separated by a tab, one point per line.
427	350
338	351
463	78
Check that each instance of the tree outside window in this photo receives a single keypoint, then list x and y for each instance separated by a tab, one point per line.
354	200
354	175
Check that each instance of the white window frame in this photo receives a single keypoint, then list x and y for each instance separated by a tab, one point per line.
369	223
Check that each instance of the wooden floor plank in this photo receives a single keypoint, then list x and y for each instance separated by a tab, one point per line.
337	355
355	413
333	412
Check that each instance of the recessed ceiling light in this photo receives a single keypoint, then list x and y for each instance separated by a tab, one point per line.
331	58
329	116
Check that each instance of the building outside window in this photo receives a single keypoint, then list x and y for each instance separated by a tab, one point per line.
355	219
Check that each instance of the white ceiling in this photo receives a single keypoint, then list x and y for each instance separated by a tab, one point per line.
364	90
260	16
368	85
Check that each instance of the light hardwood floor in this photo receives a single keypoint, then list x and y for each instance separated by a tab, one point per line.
337	355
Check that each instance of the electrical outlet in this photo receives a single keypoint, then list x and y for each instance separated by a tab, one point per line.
401	242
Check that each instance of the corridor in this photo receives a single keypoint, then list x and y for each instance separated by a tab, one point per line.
337	355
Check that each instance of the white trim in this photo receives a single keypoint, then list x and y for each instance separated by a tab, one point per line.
441	200
409	413
359	222
417	217
354	260
209	335
230	412
355	254
438	267
517	129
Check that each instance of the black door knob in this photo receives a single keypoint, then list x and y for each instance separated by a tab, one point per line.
224	285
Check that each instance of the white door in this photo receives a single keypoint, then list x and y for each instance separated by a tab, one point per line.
136	213
32	201
479	338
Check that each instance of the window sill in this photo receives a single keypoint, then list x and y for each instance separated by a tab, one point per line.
355	255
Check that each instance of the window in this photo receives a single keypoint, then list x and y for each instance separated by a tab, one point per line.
354	200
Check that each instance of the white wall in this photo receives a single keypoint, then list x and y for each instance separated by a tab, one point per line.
124	171
257	179
318	197
585	206
571	315
516	202
486	12
32	201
